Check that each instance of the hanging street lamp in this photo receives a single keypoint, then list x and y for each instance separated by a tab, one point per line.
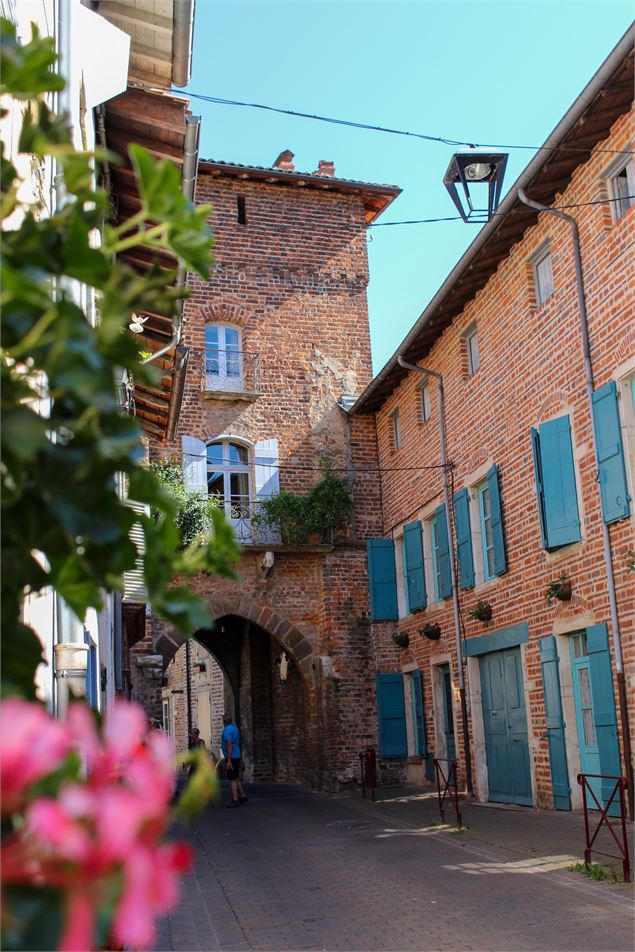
466	173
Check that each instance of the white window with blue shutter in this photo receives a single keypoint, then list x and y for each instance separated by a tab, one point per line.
391	715
440	552
382	580
415	584
611	466
556	488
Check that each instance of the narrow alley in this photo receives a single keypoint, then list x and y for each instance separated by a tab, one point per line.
294	869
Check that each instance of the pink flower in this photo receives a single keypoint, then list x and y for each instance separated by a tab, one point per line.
57	831
78	935
32	745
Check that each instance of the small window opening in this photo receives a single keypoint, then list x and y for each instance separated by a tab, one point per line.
242	211
425	402
396	429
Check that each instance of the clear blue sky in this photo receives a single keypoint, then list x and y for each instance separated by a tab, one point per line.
480	71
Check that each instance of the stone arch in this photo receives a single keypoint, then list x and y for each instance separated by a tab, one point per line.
167	641
224	313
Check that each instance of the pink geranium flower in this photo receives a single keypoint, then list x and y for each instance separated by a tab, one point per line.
32	745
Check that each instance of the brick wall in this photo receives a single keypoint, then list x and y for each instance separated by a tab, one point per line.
531	369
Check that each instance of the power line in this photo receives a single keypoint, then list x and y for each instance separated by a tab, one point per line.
515	211
444	140
225	465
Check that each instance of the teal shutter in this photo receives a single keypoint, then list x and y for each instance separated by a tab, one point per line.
418	713
562	521
498	538
555	724
540	493
611	469
413	566
391	713
597	647
382	580
464	538
443	553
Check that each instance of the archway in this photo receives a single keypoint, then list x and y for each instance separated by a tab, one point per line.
267	681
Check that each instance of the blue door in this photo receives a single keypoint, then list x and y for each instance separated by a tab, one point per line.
448	712
597	744
505	723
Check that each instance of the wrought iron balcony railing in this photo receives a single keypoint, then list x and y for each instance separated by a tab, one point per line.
230	372
246	519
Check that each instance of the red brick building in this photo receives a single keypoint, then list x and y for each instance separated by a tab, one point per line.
278	345
528	501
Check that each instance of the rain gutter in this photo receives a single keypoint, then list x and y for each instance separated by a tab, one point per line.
182	35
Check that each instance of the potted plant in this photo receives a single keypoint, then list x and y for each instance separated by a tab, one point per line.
433	631
400	638
560	588
482	611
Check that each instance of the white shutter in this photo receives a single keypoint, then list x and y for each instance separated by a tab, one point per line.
267	476
134	588
267	472
195	463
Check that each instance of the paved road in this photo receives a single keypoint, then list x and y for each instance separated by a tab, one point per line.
298	870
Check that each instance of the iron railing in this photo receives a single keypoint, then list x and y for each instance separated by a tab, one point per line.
450	788
619	786
230	371
249	529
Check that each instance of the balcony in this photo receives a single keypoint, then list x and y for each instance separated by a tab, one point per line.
230	375
249	531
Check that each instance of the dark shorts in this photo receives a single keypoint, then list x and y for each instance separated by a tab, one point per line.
233	768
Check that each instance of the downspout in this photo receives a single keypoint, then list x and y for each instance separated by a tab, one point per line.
183	29
455	594
188	705
608	560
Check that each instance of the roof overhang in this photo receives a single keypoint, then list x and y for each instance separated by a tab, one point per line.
607	96
375	198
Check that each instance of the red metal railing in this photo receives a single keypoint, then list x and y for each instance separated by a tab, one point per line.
604	820
450	789
368	762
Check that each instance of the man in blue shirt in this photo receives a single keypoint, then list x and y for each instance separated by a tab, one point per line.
230	745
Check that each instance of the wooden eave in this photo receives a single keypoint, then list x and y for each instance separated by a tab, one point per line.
551	178
156	122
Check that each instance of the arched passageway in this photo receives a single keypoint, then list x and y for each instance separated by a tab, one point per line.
241	667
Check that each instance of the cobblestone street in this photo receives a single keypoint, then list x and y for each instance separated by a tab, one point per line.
293	869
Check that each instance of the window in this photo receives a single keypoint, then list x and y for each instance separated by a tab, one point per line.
471	344
223	358
229	479
241	210
487	538
418	714
396	429
401	578
556	483
544	276
425	402
621	186
440	555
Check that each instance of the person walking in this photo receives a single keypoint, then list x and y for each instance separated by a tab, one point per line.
230	745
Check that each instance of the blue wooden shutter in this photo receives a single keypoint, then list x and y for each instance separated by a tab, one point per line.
92	696
555	724
418	712
413	565
597	647
443	553
391	712
562	521
611	473
382	580
464	538
498	538
535	442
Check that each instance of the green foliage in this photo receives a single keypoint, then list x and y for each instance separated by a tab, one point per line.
630	561
202	785
482	611
194	514
598	872
65	440
325	509
560	589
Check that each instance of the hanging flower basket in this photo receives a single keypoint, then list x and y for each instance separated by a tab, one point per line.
401	639
482	611
432	632
560	588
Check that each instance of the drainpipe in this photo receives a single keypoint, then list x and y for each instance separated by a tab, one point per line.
455	595
188	185
608	560
188	705
183	28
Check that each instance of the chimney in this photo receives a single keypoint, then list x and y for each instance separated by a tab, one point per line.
284	162
327	169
